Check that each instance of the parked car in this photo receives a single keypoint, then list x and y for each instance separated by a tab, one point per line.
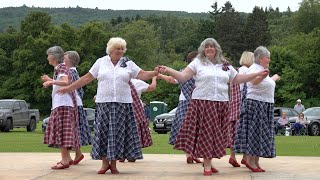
15	113
291	114
89	116
312	115
162	123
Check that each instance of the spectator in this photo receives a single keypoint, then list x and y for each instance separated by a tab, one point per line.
299	107
300	123
282	122
147	111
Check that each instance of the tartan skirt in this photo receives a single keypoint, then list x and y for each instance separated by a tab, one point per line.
115	132
178	120
83	128
255	130
204	131
62	129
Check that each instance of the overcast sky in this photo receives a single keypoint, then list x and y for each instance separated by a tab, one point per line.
171	5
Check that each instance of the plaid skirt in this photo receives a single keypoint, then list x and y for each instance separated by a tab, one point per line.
178	120
255	130
83	128
115	132
62	129
204	131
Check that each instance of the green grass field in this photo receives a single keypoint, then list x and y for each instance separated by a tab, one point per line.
19	140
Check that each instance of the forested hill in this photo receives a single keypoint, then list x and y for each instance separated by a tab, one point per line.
12	16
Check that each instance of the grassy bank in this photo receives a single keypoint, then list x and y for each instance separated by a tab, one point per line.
19	140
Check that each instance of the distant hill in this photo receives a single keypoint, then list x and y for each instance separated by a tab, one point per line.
12	16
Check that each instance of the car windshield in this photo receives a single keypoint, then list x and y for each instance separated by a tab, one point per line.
173	111
5	104
312	112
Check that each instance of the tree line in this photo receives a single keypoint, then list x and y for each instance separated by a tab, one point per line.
293	39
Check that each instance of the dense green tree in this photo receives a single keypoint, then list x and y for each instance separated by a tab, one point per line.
35	23
229	32
256	31
308	16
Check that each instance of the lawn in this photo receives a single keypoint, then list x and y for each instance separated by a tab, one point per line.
19	140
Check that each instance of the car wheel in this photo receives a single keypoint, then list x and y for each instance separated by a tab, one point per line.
8	126
32	125
314	129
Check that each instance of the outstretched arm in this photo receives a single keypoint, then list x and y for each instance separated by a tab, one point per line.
168	79
86	79
185	75
255	78
146	75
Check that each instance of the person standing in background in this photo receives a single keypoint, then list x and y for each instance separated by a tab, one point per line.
71	60
237	94
299	107
62	128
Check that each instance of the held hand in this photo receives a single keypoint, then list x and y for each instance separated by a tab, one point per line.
275	77
47	84
163	69
45	78
264	73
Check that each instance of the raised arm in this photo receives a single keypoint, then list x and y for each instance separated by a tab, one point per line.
153	84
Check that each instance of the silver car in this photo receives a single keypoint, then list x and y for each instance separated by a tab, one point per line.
90	115
163	122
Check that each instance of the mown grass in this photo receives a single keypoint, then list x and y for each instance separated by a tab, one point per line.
19	140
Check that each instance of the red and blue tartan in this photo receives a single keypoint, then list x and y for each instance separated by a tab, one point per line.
140	118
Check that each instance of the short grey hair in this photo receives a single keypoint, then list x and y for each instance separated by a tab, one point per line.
260	52
246	58
74	57
219	58
57	52
116	42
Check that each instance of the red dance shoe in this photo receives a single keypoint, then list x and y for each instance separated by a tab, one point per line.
60	167
103	170
253	169
233	162
75	162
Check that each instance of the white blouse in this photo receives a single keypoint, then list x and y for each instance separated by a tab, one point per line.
211	80
140	86
242	70
60	99
113	80
264	91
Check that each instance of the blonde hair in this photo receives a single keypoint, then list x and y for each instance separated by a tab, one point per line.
114	43
246	58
